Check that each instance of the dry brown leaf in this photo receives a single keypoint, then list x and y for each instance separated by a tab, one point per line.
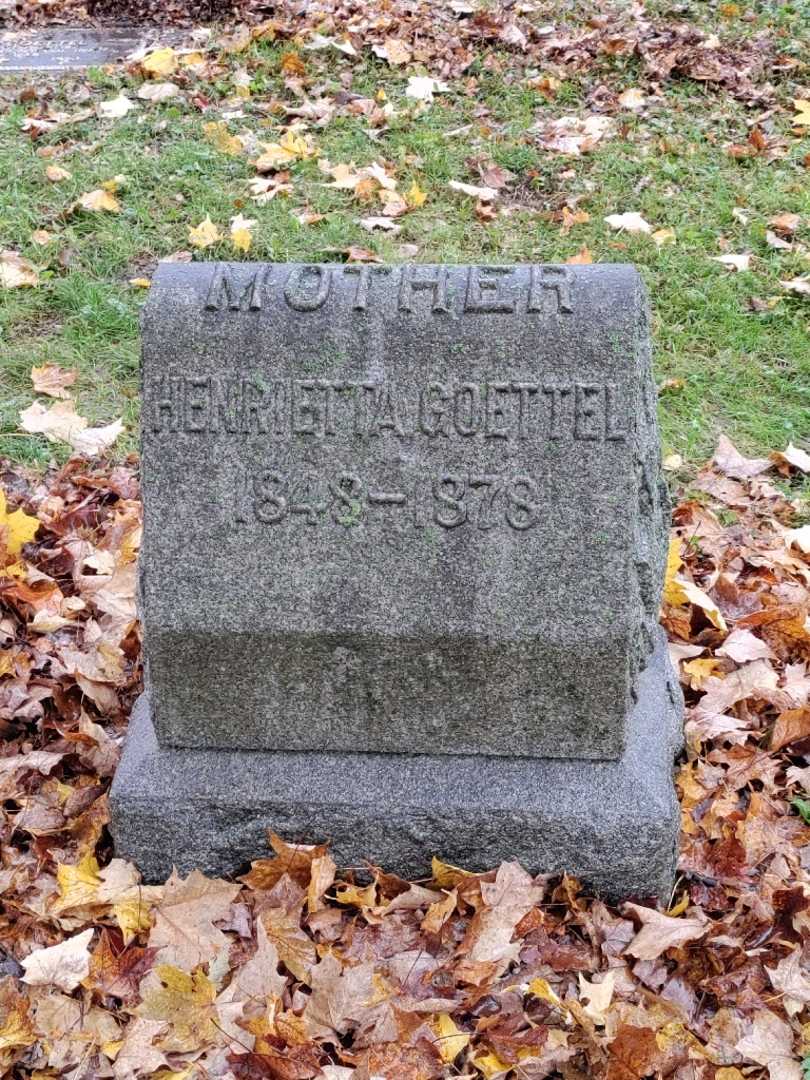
660	932
52	380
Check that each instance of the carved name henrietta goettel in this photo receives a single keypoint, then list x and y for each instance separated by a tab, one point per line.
398	508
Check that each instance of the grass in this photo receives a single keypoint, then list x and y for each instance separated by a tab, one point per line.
733	369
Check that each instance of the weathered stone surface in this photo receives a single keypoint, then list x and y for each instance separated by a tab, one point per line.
398	509
612	823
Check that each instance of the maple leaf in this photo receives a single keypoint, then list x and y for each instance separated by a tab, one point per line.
98	201
679	590
119	971
296	860
341	996
802	117
205	234
16	1028
78	884
63	965
16	529
661	932
216	132
632	1053
295	949
291	147
259	978
241	236
184	1002
51	379
184	930
770	1043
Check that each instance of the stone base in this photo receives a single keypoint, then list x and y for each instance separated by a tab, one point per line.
613	824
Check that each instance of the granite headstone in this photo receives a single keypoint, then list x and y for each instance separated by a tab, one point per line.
404	541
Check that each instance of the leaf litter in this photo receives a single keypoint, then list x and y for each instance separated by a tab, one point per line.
303	969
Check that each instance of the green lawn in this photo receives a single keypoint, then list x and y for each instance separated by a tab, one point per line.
731	368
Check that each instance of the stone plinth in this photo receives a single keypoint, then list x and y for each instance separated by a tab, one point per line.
404	528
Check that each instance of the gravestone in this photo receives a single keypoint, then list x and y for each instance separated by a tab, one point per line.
404	542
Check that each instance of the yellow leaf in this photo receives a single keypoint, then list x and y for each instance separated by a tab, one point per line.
291	147
663	236
140	282
415	196
114	183
17	1030
132	915
541	989
55	173
699	670
16	272
241	236
16	528
110	1049
192	59
292	64
802	107
672	591
78	884
728	1073
161	62
451	1039
353	894
98	200
445	875
490	1065
205	234
221	139
185	1003
680	908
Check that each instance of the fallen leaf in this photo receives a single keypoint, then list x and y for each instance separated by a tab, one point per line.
631	222
184	931
16	528
451	1040
95	440
663	236
55	173
733	262
216	132
393	50
58	422
98	200
661	932
16	272
205	234
158	91
116	107
485	194
422	88
732	463
802	117
51	379
415	197
241	236
632	98
582	258
160	62
770	1043
63	965
798	285
384	223
291	147
794	457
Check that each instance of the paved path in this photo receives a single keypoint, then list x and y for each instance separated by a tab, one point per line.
67	49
